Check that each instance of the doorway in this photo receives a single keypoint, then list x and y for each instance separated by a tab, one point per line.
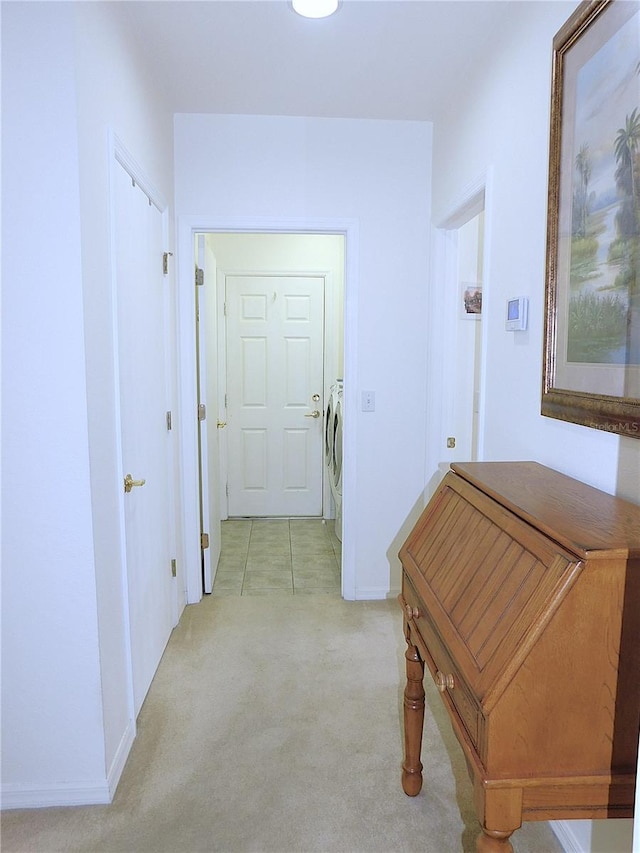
468	353
274	334
458	330
188	228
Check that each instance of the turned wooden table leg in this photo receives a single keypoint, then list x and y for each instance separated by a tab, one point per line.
499	811
413	722
490	841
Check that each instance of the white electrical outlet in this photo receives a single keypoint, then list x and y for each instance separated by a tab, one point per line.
368	401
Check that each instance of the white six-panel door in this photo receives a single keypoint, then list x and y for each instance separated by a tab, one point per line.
140	294
275	332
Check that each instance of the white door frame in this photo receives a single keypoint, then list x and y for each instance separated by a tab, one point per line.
188	227
443	300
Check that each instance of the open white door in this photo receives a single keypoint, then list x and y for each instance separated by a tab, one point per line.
201	357
214	422
207	427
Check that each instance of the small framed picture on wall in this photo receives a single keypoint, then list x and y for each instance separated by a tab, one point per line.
471	300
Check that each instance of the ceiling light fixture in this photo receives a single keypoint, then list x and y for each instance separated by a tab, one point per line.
314	8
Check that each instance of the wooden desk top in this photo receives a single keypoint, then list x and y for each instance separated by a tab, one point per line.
589	522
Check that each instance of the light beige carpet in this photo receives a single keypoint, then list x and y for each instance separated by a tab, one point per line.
274	724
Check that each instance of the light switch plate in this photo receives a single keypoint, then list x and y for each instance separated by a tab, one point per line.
368	401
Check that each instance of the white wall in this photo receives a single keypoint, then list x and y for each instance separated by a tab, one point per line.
378	174
51	704
501	126
69	75
115	95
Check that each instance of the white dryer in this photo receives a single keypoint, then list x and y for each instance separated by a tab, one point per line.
333	449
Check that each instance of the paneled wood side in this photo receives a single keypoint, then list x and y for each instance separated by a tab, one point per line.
489	581
573	707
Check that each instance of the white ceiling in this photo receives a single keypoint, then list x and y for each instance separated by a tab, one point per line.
379	59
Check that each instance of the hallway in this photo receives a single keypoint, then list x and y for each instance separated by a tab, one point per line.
297	556
273	725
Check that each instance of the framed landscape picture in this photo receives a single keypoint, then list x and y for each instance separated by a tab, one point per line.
591	372
471	300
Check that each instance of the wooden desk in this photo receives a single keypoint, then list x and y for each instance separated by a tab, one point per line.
521	594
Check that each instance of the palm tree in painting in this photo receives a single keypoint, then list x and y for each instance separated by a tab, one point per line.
626	247
583	167
584	239
626	150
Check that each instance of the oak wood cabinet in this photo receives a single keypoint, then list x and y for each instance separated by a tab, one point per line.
521	594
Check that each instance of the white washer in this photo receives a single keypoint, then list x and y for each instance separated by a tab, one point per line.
328	433
333	449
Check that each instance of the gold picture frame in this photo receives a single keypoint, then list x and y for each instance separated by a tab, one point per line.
591	371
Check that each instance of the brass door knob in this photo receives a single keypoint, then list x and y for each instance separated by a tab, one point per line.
129	483
444	681
315	414
411	612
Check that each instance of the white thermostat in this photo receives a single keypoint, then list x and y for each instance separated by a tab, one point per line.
517	311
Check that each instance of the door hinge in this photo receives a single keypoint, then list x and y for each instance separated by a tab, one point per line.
199	277
165	262
202	412
168	421
224	308
204	541
173	569
226	488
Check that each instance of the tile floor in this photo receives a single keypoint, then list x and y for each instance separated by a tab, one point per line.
297	556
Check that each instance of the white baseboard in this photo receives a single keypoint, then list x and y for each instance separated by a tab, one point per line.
565	835
120	758
372	594
96	793
60	794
